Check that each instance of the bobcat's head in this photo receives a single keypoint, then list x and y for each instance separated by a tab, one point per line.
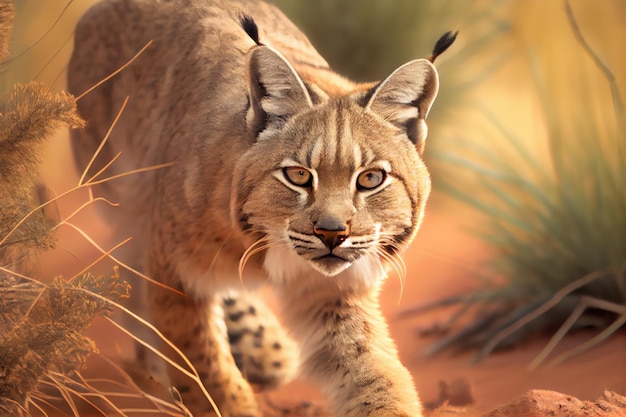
332	182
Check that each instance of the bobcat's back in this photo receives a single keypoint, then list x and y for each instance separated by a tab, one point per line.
187	86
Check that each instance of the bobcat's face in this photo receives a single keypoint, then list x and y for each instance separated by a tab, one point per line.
329	182
335	184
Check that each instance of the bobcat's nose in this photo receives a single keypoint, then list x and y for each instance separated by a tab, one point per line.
331	231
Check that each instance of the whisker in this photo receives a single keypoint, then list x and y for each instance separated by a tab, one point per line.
396	261
400	260
219	251
258	246
389	260
396	268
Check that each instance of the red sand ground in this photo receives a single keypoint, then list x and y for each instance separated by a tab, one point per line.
444	260
440	263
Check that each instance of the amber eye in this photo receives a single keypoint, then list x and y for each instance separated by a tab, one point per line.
370	179
298	176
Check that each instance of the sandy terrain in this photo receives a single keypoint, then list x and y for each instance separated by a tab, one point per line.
444	260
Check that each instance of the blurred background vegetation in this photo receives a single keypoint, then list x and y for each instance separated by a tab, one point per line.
525	130
529	131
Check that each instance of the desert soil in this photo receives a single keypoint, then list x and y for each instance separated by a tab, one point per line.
445	259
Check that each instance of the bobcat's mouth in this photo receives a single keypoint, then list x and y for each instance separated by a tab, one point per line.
330	256
327	261
330	264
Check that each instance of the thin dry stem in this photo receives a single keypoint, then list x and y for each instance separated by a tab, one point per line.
585	303
24	52
49	61
558	336
120	263
37	397
621	320
58	378
178	400
507	331
104	168
219	252
68	399
105	254
127	173
69	392
82	207
617	99
10	272
193	375
101	145
114	73
85	185
34	302
129	382
39	408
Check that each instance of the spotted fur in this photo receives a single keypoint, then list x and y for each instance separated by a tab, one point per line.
282	172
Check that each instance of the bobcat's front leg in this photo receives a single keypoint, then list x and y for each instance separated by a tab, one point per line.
198	329
346	347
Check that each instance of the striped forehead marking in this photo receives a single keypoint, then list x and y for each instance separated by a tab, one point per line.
337	146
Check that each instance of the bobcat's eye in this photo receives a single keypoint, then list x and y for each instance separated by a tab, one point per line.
298	176
370	179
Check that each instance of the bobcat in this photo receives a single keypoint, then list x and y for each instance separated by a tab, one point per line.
283	172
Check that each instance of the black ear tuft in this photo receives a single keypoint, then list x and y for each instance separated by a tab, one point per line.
443	44
249	25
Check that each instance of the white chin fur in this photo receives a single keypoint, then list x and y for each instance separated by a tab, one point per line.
282	265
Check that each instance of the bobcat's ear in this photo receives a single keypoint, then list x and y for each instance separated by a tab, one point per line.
404	99
275	90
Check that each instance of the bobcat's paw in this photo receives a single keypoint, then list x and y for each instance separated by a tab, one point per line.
265	354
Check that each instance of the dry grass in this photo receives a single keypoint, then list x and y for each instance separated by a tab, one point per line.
7	13
42	347
28	115
43	327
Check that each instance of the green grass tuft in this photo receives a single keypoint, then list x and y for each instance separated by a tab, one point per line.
556	219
